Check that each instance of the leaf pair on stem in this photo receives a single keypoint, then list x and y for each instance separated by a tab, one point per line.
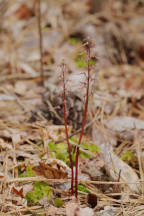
88	46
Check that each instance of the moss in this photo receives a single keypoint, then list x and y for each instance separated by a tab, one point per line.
90	147
73	40
40	190
28	173
129	158
58	203
60	151
82	188
81	62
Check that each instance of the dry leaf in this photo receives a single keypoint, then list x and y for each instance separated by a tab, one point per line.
108	211
113	164
93	168
18	192
50	172
124	123
16	138
73	209
20	88
1	175
23	12
4	97
51	211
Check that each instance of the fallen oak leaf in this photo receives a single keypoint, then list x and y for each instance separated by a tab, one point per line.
18	192
49	172
1	175
23	12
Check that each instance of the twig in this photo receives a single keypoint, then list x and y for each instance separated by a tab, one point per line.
33	179
39	178
40	42
16	77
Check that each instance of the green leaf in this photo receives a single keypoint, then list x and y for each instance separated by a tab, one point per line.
58	203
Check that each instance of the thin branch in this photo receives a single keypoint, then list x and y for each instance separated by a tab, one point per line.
40	42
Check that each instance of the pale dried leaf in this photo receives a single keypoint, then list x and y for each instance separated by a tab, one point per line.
16	138
51	211
108	211
124	123
73	209
20	88
93	168
27	68
114	165
1	175
4	97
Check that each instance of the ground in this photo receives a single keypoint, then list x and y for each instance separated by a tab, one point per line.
35	172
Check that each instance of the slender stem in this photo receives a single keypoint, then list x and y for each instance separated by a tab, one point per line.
66	128
83	123
40	42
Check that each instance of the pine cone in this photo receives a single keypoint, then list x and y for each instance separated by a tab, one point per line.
54	109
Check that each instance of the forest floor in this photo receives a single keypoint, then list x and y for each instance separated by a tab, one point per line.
35	170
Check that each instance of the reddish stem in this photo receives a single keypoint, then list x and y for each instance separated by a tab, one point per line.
66	128
83	123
